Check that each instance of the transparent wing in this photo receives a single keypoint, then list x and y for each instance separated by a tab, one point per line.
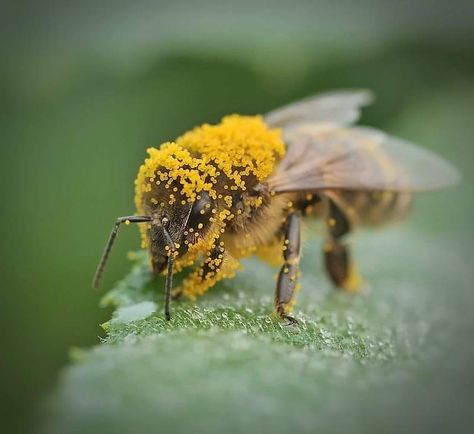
335	108
357	158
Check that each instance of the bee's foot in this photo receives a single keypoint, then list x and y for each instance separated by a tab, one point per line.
291	321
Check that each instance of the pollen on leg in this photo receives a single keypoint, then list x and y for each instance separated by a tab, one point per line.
353	282
195	285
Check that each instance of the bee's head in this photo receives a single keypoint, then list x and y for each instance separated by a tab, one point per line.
176	226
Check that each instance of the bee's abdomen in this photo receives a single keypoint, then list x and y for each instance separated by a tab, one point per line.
373	208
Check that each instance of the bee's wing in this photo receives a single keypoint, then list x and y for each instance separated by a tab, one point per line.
357	158
336	108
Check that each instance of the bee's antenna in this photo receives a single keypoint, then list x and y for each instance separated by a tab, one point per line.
110	242
169	275
168	287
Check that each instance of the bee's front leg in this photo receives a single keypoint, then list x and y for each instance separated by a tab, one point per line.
218	264
288	277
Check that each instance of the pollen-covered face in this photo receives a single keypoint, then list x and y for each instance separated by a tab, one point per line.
186	223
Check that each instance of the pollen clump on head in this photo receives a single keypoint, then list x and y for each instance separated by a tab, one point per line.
169	163
237	148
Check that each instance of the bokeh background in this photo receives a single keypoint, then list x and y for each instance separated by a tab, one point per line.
86	86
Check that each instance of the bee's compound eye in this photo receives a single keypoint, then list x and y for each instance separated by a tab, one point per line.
200	206
200	212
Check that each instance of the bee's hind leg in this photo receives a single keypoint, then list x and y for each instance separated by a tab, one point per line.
337	257
288	276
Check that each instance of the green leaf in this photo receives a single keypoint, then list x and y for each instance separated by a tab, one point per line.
226	363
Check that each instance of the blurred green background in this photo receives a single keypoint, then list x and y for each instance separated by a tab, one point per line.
85	87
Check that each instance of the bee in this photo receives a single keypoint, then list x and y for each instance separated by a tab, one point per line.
223	192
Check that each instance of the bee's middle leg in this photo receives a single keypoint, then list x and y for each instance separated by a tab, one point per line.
288	276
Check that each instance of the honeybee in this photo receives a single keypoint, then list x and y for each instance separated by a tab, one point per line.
223	192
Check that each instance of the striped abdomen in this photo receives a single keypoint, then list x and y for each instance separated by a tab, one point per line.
372	208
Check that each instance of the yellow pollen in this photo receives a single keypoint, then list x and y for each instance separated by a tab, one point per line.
237	149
